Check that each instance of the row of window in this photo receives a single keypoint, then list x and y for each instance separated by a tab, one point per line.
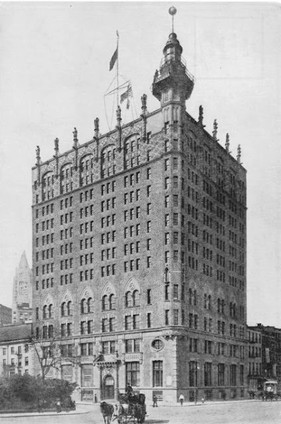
46	210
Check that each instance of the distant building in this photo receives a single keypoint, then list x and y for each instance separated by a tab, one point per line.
5	315
255	367
22	293
16	357
264	348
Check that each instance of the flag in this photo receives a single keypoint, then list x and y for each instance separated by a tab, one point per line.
128	93
113	59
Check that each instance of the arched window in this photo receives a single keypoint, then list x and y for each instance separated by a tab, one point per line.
45	332
105	305
50	308
89	305
69	307
209	301
47	186
45	311
51	331
131	151
90	327
66	178
112	301
62	309
128	299
83	306
195	297
108	161
86	170
136	298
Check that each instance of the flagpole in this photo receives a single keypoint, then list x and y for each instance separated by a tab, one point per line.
117	68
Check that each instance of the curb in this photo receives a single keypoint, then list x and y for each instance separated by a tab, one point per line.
41	414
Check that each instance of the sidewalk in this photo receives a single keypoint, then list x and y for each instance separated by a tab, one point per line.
207	402
80	409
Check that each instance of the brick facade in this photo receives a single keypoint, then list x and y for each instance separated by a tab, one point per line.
139	253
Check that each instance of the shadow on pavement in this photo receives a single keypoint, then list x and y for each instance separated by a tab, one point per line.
153	421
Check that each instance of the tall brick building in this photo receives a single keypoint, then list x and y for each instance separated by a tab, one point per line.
139	252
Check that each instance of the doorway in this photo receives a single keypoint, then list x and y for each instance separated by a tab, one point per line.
108	387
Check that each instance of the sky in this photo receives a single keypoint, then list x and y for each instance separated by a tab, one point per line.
54	72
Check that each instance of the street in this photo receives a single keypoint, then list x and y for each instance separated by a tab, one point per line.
239	412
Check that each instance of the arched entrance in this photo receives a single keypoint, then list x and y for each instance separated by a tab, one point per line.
108	387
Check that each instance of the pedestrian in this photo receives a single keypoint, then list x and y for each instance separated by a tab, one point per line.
154	401
181	398
58	406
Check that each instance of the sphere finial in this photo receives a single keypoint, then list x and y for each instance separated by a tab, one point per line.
172	12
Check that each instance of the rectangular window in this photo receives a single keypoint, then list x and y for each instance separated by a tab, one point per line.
175	163
175	181
176	317
221	374
233	375
193	369
148	320
133	374
157	373
148	296
207	374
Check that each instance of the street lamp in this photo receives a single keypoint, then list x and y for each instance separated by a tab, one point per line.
196	383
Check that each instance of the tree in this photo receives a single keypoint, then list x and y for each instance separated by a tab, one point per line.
49	354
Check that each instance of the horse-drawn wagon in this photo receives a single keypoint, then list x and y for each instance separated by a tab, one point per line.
131	408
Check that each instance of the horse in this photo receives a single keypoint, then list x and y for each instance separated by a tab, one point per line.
139	413
107	411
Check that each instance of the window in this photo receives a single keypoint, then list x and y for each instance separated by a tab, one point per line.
233	375
221	374
175	163
148	320
148	296
157	373
207	374
133	373
175	181
176	317
132	345
193	370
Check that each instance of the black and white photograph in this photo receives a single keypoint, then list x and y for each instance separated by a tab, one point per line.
140	219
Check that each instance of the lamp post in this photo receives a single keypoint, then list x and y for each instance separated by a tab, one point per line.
196	383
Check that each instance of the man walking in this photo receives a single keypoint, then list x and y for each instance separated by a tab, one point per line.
181	398
154	401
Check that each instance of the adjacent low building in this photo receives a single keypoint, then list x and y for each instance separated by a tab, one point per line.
5	315
255	364
264	355
16	356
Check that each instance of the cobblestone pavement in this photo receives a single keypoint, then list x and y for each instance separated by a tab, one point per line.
236	412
